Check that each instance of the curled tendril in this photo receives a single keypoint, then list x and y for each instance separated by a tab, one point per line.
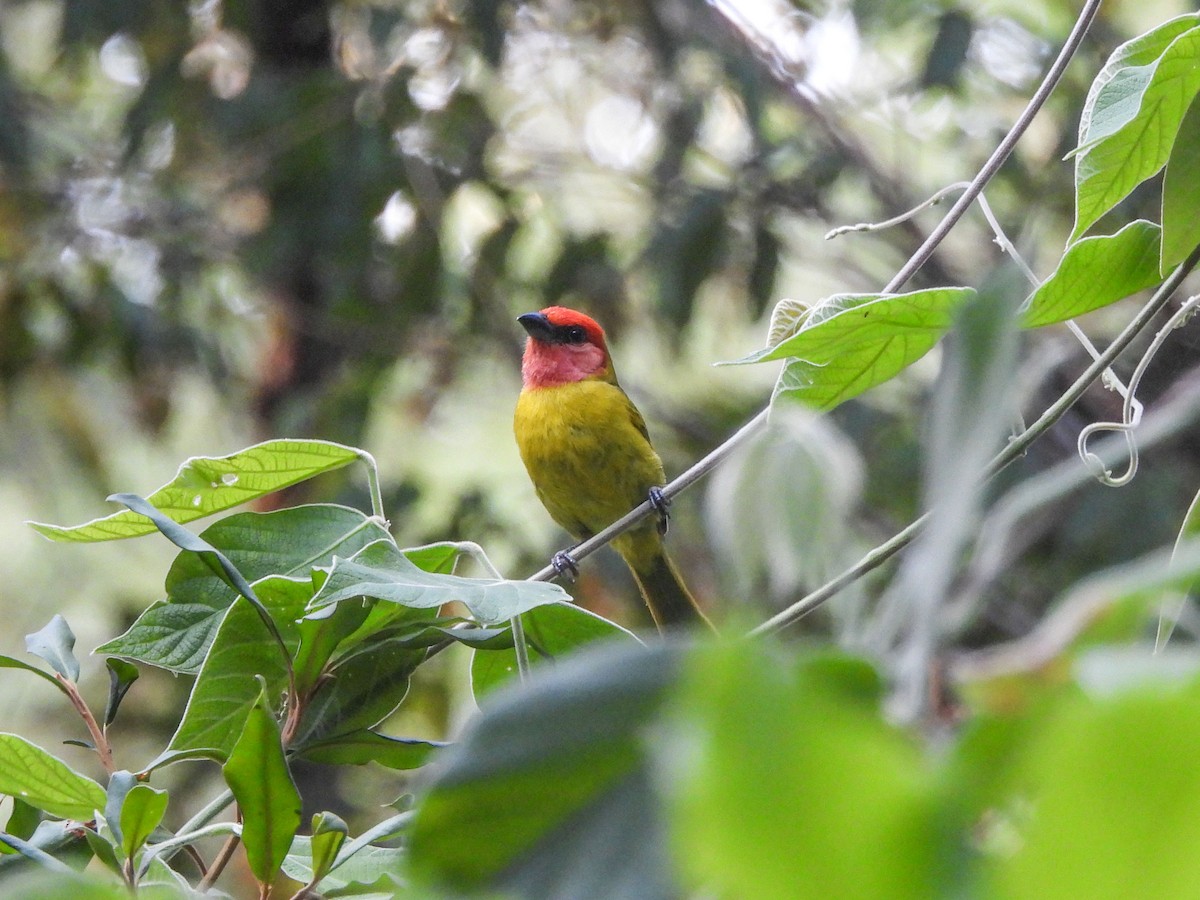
1131	412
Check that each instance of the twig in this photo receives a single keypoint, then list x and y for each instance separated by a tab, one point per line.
219	863
99	739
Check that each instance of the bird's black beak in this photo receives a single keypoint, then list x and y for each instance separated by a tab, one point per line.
538	327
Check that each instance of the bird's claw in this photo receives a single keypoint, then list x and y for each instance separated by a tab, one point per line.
662	506
564	564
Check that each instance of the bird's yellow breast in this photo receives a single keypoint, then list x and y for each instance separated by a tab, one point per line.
585	447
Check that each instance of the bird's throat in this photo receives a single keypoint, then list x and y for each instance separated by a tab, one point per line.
548	365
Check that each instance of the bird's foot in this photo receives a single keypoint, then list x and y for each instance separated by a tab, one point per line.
564	564
662	506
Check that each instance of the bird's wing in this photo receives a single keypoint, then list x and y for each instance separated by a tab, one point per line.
635	418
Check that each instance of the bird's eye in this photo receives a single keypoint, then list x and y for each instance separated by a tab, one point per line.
576	334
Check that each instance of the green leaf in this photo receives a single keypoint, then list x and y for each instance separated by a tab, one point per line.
206	485
328	834
358	748
55	645
551	631
1181	193
1112	788
1116	92
7	662
176	634
440	557
121	676
119	785
30	773
23	820
851	342
257	773
102	849
848	809
365	867
548	794
385	573
362	690
141	813
1095	272
1110	168
217	561
225	692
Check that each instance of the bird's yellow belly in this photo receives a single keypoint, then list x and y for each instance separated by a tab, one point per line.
588	461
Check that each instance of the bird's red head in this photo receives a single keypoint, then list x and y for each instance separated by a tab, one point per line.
564	345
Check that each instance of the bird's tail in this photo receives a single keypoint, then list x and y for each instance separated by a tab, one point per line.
670	602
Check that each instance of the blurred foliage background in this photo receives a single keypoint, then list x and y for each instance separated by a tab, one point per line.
227	221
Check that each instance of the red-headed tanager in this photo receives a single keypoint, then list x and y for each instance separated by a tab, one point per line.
588	454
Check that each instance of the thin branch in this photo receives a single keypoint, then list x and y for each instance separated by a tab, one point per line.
219	864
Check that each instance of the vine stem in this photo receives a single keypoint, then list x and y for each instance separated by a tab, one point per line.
518	627
377	509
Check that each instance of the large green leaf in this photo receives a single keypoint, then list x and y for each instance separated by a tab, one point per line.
551	631
257	773
225	690
851	342
205	485
548	794
1095	272
176	633
1109	788
29	773
383	572
795	785
1108	169
1181	193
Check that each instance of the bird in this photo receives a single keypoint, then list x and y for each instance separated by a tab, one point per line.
589	456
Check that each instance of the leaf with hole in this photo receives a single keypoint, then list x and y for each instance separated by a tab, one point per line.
209	484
